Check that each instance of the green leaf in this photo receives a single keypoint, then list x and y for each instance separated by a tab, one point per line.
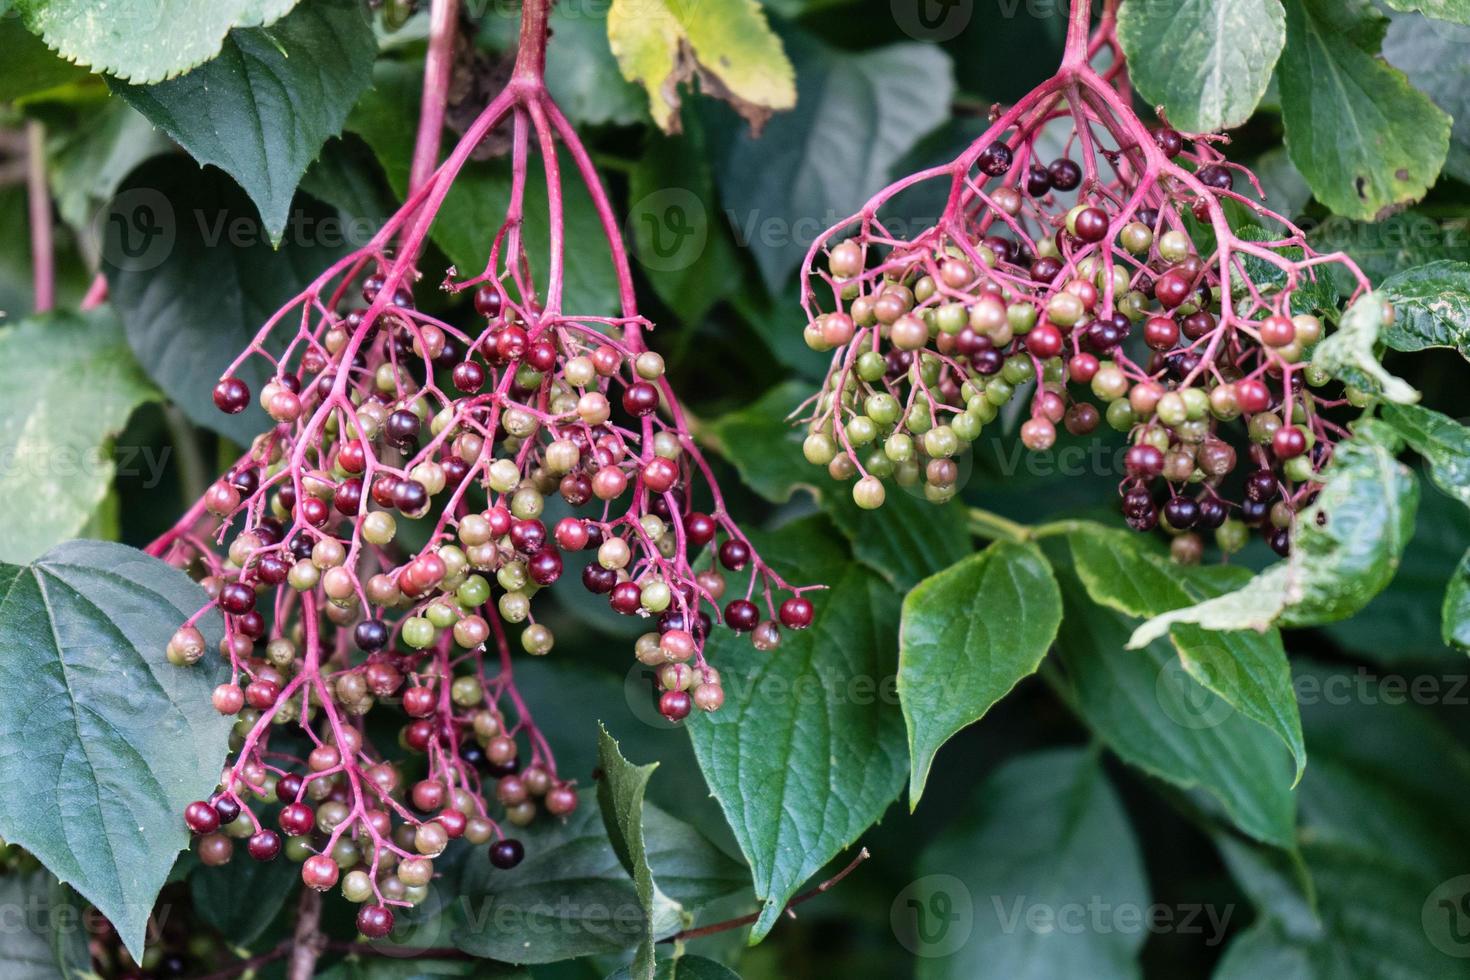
969	635
1443	442
1385	809
1365	139
1432	55
261	109
1337	564
1208	62
808	750
73	383
1374	920
1431	307
88	164
1457	11
620	800
1246	668
144	40
571	896
1148	710
1349	353
193	280
1400	627
1387	778
116	741
347	176
674	218
906	539
764	446
45	937
729	47
475	207
860	112
1044	833
29	66
372	967
1455	613
244	897
683	968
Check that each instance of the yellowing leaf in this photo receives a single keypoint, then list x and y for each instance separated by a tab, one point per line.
727	45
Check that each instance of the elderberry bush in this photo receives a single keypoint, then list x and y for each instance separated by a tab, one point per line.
475	507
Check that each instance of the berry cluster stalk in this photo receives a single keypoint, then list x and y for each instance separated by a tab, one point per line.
384	409
1035	277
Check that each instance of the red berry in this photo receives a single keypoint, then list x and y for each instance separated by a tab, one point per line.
375	921
571	534
319	872
1044	341
264	845
674	705
296	819
741	615
1252	396
201	818
700	528
1082	368
660	474
640	398
262	694
627	598
1288	442
1161	333
734	554
231	396
796	613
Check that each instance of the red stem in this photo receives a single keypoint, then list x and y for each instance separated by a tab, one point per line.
443	22
43	253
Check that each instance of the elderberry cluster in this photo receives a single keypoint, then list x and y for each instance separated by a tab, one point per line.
1076	283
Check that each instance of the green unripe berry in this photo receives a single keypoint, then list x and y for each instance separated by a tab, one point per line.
882	408
868	493
1017	369
1021	317
861	430
473	592
871	366
899	447
418	632
819	448
1120	415
940	442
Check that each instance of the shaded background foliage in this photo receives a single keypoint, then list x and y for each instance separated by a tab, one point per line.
1106	778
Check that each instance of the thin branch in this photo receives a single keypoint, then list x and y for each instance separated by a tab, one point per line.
308	943
443	21
746	920
43	253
